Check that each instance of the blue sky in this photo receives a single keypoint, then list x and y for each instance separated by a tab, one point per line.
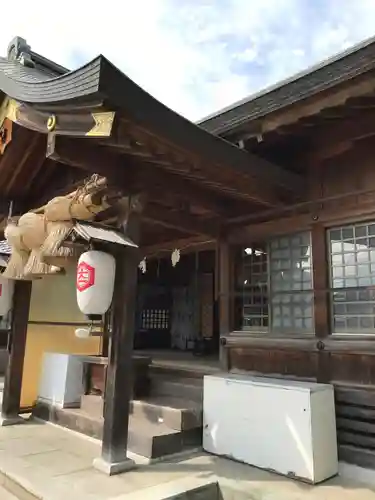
196	56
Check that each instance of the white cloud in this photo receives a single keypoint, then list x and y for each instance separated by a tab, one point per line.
194	55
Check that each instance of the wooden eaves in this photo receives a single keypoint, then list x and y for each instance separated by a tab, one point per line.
195	181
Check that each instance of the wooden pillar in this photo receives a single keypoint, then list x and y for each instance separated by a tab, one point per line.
225	299
13	377
119	382
321	299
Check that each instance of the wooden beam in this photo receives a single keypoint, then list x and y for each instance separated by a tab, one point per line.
344	131
334	210
63	182
224	255
181	221
313	105
320	269
159	181
183	244
118	392
218	165
91	158
13	376
325	152
334	112
363	102
124	171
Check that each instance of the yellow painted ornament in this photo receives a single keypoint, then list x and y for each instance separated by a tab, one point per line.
51	123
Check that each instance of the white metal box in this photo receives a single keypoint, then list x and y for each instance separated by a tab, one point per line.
61	381
288	427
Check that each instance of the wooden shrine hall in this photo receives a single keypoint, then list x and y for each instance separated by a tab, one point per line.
58	128
270	202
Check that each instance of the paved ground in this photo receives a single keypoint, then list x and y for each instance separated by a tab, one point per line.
55	464
5	495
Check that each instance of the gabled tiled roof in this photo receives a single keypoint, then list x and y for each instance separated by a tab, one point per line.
336	70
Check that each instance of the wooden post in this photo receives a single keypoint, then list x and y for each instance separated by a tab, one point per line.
321	299
225	326
119	383
13	376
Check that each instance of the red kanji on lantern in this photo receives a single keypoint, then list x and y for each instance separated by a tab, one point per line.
1	289
85	276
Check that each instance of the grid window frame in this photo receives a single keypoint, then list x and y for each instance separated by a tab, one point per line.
255	313
291	289
351	251
293	307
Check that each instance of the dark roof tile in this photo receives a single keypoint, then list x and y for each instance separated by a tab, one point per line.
338	69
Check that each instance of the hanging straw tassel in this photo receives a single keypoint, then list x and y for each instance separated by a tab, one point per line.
53	251
16	265
35	268
20	253
34	231
56	234
62	257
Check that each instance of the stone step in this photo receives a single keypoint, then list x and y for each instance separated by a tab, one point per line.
146	438
176	413
161	386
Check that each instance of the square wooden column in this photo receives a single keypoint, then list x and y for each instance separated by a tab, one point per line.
321	299
225	280
118	390
13	376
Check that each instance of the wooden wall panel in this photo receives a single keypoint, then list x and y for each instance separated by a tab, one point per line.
352	368
275	362
348	363
351	171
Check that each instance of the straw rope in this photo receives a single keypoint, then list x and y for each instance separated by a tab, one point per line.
37	237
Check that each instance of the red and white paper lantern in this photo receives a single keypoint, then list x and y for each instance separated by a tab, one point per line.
95	282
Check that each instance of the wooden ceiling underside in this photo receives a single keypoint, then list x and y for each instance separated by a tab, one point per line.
183	199
184	202
324	135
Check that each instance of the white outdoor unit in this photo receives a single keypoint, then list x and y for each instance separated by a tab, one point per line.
61	380
288	427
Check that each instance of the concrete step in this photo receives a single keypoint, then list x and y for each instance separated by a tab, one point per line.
93	405
145	438
180	388
156	440
194	376
176	413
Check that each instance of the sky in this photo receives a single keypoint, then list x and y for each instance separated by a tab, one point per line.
196	56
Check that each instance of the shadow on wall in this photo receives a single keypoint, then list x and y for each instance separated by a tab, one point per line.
53	319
